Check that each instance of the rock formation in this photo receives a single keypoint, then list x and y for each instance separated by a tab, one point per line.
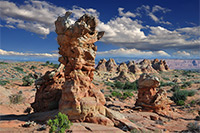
125	76
80	99
135	69
111	65
149	98
102	65
122	67
49	91
159	65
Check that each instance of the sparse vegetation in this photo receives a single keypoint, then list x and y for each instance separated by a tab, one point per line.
186	84
59	124
167	83
33	67
124	86
181	95
16	98
120	95
4	82
28	80
19	69
3	62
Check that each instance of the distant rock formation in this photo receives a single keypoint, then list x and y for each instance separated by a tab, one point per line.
145	66
149	98
48	92
125	76
102	65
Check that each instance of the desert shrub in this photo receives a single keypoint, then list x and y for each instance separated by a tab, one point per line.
19	69
167	83
191	93
180	103
4	82
116	94
129	85
59	124
165	78
109	84
3	63
175	88
182	95
47	62
119	85
28	80
186	84
127	94
16	98
33	67
193	127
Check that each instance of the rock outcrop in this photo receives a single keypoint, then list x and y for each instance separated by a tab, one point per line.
125	76
111	65
102	65
49	91
80	99
159	65
122	67
149	98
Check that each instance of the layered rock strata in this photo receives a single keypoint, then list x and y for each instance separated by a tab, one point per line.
80	99
48	91
149	98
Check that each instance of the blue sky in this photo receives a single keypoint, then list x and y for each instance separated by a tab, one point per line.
133	28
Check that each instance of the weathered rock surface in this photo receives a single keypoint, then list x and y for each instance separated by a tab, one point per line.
80	99
125	76
49	89
145	66
111	65
102	65
122	67
149	98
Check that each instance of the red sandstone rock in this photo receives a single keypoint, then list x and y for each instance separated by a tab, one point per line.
102	65
149	98
49	89
80	99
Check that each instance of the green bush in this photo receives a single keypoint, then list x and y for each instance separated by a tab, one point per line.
116	94
19	69
175	88
59	124
191	93
33	67
182	95
186	84
27	80
109	84
3	63
167	83
47	62
127	94
118	85
3	82
129	85
16	98
180	103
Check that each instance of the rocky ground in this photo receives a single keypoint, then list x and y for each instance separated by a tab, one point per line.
119	85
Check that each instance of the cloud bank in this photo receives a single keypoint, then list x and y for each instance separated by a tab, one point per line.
14	53
125	30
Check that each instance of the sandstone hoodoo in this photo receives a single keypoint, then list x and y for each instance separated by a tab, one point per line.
149	98
49	91
80	99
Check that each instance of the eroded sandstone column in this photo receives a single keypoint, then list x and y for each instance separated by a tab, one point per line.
149	98
80	99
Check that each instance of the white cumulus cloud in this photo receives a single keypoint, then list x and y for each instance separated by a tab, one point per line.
14	53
